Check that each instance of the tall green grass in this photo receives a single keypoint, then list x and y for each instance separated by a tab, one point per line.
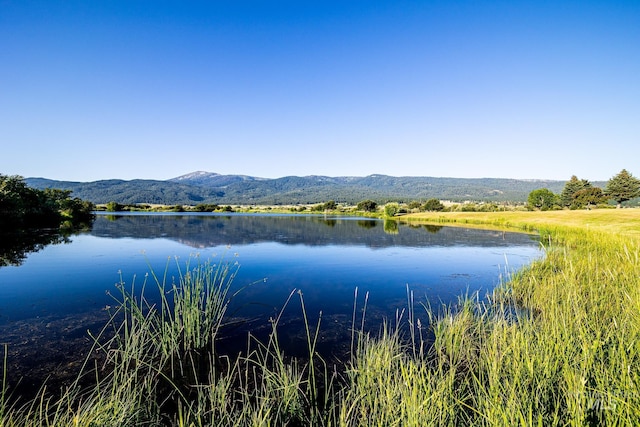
161	365
558	344
568	355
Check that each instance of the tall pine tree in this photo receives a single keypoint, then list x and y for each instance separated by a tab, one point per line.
571	188
623	187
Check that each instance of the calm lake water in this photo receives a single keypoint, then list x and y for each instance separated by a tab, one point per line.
48	303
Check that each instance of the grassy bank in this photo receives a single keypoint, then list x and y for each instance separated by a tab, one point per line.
613	221
559	344
571	356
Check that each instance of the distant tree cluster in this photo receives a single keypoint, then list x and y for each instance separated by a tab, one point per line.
391	209
136	207
204	207
331	205
432	205
115	207
23	206
367	206
580	193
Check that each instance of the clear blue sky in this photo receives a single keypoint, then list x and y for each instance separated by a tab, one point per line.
155	89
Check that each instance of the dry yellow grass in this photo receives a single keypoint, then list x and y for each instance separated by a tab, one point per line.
615	221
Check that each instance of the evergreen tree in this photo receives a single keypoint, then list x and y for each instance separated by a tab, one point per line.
571	188
588	197
623	187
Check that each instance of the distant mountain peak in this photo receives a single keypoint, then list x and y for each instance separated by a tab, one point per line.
194	175
211	179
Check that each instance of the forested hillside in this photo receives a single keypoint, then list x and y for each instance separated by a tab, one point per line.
134	191
204	187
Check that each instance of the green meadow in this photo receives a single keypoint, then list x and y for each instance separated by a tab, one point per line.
558	343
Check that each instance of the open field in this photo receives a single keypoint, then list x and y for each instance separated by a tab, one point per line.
615	221
557	344
572	356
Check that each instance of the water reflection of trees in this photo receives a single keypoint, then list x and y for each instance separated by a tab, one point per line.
366	224
201	231
16	244
429	227
391	227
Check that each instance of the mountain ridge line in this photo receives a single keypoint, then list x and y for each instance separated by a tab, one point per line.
210	187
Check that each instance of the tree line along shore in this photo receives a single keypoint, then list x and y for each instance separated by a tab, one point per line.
26	206
576	194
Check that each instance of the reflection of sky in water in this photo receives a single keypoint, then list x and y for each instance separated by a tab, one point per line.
74	277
